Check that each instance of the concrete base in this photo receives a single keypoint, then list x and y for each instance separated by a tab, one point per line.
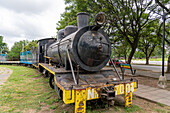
162	83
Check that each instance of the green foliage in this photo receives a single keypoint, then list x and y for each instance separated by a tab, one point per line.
24	45
3	46
158	52
139	54
33	43
14	54
122	48
149	40
69	16
126	20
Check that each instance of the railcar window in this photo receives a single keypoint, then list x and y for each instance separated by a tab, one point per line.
41	49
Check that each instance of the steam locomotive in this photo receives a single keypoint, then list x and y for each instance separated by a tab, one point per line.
88	46
75	64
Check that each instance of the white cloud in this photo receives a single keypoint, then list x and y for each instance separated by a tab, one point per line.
26	6
31	19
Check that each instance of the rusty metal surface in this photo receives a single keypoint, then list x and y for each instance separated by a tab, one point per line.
86	79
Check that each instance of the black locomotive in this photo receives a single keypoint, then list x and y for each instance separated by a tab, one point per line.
74	62
88	46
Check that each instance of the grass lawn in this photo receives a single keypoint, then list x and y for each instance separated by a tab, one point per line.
152	59
27	91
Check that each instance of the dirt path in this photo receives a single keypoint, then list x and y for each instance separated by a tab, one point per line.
4	74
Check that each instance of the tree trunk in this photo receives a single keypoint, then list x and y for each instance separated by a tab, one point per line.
125	55
168	65
134	46
131	55
146	54
147	60
119	56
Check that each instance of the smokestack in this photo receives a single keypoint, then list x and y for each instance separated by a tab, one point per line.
82	19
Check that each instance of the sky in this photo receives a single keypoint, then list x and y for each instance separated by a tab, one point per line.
29	19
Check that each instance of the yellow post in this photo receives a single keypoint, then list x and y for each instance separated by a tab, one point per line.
49	60
80	102
128	96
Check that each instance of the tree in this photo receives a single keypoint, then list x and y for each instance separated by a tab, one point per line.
129	17
149	40
14	54
3	46
160	11
33	43
139	54
122	48
68	17
163	4
167	32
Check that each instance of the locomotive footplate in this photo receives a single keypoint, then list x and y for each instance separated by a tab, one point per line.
98	79
91	86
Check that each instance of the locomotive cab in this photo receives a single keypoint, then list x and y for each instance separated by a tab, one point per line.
42	48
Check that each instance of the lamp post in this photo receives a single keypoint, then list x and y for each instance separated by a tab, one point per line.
162	79
163	50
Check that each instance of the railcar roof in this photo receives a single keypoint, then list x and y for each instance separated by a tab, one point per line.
46	39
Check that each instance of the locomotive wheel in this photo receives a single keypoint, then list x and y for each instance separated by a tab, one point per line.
40	69
47	74
58	90
51	81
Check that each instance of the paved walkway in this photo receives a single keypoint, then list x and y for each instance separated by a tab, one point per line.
153	94
146	73
4	74
150	93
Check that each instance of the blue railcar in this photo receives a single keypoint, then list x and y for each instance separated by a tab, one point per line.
26	57
3	57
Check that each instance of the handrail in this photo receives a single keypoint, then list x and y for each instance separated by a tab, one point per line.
49	59
71	67
115	69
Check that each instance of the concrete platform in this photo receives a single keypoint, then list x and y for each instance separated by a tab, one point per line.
10	62
153	94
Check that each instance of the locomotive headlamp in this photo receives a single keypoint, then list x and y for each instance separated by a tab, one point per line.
100	18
